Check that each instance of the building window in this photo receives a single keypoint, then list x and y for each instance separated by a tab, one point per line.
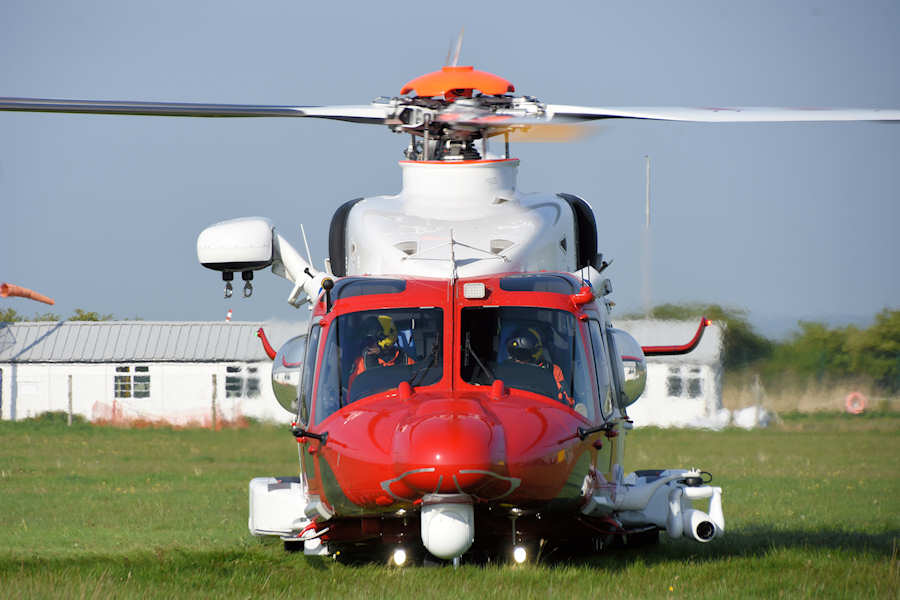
252	382
234	383
238	385
694	388
142	382
122	383
678	377
126	385
674	386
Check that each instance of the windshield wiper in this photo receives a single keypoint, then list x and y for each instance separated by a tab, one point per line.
478	360
425	368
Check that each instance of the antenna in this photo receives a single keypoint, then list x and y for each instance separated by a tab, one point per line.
459	41
309	259
452	257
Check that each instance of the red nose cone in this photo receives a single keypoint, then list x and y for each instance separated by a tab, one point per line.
452	452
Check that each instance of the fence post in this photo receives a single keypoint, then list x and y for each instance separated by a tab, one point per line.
214	391
69	420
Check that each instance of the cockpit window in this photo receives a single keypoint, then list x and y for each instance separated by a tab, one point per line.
539	350
555	284
373	351
309	372
360	286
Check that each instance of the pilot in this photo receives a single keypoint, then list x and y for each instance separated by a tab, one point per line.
380	348
524	347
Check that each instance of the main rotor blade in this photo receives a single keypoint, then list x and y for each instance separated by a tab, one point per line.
368	113
756	114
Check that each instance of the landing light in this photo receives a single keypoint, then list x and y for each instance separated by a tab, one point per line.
399	557
519	555
474	291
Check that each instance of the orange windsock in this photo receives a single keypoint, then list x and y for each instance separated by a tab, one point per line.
8	289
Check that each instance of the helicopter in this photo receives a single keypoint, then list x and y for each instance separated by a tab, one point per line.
492	419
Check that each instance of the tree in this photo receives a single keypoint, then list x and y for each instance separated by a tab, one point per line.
814	351
48	316
10	316
876	351
81	315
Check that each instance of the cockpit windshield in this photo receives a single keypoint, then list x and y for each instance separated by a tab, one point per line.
539	350
373	351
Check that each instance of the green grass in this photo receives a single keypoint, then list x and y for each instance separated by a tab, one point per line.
812	509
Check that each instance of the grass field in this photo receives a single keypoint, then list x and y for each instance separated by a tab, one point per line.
812	510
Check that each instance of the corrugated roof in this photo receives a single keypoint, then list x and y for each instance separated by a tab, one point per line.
139	341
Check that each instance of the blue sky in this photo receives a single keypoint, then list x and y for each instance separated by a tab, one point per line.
787	221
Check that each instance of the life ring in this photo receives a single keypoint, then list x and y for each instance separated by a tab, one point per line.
855	403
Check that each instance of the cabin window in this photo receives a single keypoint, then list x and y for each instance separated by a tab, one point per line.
128	385
534	349
309	372
364	286
370	352
555	284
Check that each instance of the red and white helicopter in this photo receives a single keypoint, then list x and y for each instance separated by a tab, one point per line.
461	391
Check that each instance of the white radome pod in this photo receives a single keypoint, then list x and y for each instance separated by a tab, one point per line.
243	244
448	529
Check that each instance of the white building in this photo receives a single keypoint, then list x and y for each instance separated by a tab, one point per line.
156	371
683	390
181	373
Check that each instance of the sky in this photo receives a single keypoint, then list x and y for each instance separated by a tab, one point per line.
786	221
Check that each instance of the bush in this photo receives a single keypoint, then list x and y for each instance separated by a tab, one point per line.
57	417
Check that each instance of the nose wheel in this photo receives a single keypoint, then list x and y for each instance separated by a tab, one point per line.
522	552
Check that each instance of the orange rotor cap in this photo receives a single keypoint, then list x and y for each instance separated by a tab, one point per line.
450	79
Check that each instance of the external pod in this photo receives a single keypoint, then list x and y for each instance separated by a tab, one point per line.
683	519
448	525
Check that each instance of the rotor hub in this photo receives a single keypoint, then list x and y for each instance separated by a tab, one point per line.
454	82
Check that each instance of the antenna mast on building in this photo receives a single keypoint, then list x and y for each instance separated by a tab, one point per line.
647	246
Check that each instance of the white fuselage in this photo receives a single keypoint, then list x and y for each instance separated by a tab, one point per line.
493	227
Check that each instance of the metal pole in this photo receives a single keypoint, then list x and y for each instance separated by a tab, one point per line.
214	391
647	246
647	203
70	401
